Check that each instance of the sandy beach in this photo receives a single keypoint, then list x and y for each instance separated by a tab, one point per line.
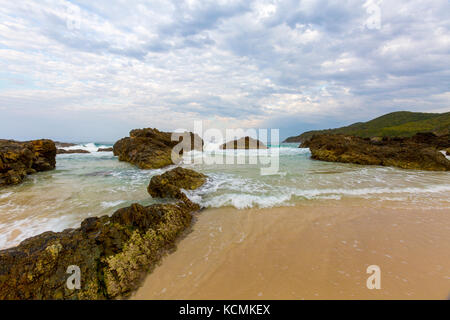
311	251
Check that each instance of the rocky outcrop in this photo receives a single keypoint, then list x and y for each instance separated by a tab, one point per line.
104	149
152	149
418	152
64	144
244	143
64	151
113	254
170	183
18	159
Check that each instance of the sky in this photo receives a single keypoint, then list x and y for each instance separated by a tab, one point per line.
93	70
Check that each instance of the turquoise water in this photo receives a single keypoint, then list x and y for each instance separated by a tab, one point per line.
95	184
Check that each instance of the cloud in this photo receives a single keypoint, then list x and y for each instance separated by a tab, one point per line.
164	64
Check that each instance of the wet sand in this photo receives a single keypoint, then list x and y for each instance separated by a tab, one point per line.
319	250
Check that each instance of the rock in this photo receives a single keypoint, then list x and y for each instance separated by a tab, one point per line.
64	144
18	159
244	143
429	139
447	152
170	183
113	254
419	152
63	151
104	149
151	148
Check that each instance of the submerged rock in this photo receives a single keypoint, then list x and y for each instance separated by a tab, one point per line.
18	159
170	183
152	149
113	254
418	152
63	151
244	143
104	149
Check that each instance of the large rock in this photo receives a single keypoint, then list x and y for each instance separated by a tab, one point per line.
70	151
419	152
151	148
17	159
170	183
113	253
244	143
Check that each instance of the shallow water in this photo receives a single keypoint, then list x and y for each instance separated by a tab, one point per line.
95	184
315	250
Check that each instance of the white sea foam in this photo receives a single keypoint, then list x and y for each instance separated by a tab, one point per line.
230	190
91	147
110	204
5	195
22	229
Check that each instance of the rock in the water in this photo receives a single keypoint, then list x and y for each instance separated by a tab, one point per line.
64	144
63	151
112	253
244	143
418	152
104	149
151	148
17	159
447	152
170	183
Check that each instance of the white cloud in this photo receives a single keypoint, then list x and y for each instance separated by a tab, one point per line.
167	63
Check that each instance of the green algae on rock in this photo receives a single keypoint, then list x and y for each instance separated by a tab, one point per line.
418	152
18	159
113	253
152	149
168	184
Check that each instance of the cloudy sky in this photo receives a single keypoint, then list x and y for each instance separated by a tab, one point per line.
92	70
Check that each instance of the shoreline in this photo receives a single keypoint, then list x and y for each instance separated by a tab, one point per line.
318	251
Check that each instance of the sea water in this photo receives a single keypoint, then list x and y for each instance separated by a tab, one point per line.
95	184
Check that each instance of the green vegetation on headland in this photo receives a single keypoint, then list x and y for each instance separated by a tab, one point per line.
395	124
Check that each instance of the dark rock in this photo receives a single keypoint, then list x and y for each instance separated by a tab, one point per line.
418	152
63	151
152	149
244	143
113	254
17	159
105	149
170	183
64	144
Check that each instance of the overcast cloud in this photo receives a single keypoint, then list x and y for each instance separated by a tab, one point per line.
93	70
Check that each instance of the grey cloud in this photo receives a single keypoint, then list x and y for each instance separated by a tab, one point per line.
311	63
